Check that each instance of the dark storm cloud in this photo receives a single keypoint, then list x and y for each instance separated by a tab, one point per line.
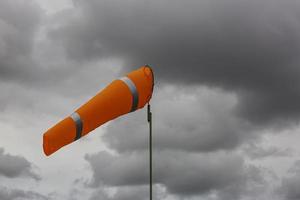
30	61
19	21
15	166
249	47
34	73
195	120
182	174
14	194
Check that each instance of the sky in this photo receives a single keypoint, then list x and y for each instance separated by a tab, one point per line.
226	101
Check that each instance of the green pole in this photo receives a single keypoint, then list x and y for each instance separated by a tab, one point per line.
149	116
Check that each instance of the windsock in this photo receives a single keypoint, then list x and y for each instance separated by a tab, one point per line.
120	97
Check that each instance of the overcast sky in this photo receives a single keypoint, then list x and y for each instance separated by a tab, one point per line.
226	102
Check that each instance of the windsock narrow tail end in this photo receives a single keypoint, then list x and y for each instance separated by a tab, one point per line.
46	146
59	135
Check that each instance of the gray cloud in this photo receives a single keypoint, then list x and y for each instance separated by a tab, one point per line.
15	194
15	166
123	193
131	193
289	188
18	24
34	73
256	151
32	68
181	173
193	119
248	47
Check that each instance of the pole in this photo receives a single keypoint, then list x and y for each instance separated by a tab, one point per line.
149	117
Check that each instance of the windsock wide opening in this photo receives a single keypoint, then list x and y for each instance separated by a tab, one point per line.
149	72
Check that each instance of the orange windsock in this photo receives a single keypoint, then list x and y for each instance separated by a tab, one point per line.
122	96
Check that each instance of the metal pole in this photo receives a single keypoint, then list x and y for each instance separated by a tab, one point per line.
149	117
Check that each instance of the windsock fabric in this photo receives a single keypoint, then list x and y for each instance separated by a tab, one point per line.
122	96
